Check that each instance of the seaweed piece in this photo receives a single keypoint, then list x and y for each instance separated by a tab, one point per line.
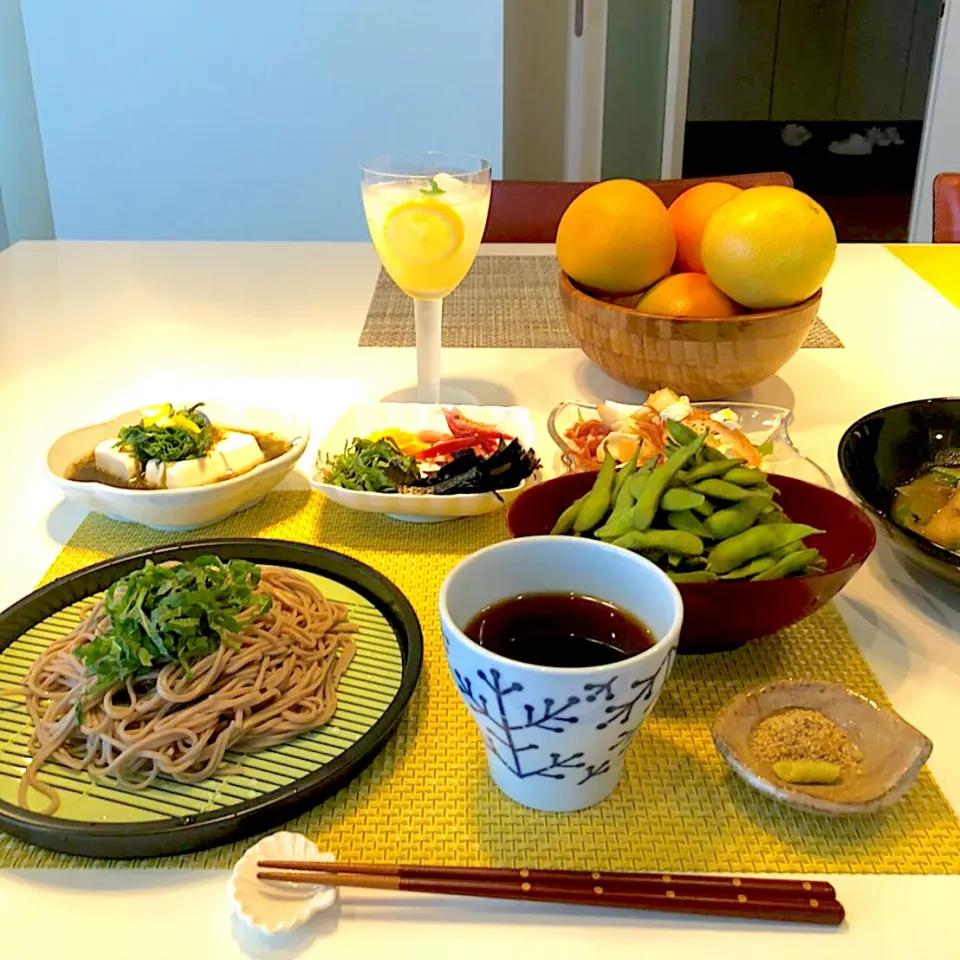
468	472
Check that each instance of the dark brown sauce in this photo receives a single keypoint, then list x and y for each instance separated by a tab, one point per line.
559	630
85	470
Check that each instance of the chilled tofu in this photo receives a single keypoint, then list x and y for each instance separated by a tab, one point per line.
187	473
240	451
112	460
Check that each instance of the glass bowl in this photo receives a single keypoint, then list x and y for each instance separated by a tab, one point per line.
762	423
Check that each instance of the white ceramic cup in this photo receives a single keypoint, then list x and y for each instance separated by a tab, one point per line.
556	737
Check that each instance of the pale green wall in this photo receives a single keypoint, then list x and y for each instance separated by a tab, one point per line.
638	33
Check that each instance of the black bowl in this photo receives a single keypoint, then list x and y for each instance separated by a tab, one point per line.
888	448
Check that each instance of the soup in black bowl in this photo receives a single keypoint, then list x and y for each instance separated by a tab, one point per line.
902	462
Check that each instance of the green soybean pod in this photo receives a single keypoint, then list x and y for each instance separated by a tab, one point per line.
637	482
751	569
792	563
597	502
705	509
625	473
722	490
564	522
712	468
712	453
679	498
672	541
681	432
674	560
733	520
616	525
755	542
692	576
789	548
648	500
745	476
689	521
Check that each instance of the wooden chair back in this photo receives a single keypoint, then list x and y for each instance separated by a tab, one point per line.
526	211
946	208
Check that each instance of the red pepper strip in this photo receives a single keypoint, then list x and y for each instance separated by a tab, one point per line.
452	445
461	426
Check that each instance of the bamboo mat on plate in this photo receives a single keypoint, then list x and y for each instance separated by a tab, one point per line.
938	264
428	798
504	301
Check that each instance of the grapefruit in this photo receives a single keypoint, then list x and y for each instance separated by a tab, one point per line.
616	237
769	247
690	213
687	295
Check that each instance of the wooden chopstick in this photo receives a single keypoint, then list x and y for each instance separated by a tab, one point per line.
701	884
730	902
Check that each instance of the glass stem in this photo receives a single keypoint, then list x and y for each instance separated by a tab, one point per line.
427	314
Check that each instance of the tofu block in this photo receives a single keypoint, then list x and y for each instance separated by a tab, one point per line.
240	451
196	473
112	460
187	473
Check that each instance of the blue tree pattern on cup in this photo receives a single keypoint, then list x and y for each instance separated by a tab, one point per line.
520	735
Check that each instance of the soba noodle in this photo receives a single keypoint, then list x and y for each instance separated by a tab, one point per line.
275	678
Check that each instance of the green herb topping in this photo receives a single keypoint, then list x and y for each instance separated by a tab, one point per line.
169	436
162	614
374	465
433	190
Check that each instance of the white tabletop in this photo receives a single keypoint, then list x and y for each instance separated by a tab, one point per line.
89	329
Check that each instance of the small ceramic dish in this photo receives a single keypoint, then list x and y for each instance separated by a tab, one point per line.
762	423
364	419
892	750
272	906
190	507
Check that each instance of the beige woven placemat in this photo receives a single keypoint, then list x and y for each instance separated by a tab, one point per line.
504	301
427	798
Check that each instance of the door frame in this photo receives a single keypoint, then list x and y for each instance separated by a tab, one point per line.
679	50
586	67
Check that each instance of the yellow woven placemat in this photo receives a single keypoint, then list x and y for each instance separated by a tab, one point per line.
427	798
939	265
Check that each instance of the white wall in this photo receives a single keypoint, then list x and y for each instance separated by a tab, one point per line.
25	207
940	150
248	119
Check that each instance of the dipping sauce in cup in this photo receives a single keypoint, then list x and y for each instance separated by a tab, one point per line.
559	649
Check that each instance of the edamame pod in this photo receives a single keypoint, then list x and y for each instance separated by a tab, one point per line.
733	520
751	569
755	542
712	468
789	548
597	502
648	500
689	521
705	509
711	453
625	472
693	576
636	483
722	490
679	498
564	522
745	476
791	563
617	524
673	541
681	432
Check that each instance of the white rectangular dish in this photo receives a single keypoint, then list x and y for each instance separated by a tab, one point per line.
363	419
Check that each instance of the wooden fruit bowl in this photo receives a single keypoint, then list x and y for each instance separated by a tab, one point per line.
704	359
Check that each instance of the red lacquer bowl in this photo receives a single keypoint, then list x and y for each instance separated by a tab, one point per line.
724	615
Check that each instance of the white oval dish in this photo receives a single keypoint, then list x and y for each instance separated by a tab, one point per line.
363	419
189	507
273	906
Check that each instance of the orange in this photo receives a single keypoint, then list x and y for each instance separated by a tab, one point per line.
616	237
687	295
690	213
769	247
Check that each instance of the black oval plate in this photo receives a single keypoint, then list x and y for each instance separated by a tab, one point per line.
178	834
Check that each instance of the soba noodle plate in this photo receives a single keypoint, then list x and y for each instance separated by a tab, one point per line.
258	678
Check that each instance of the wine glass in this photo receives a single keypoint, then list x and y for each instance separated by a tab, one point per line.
426	213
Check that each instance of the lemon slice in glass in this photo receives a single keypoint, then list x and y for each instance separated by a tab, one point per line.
423	231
